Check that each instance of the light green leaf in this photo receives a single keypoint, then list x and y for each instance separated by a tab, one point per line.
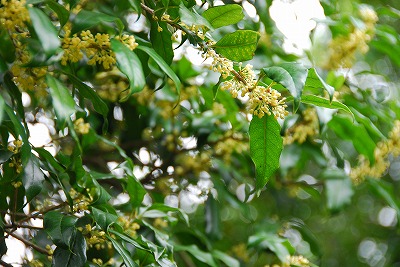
198	254
292	76
163	65
225	258
224	15
281	247
88	19
368	124
129	262
190	17
238	46
63	103
32	178
45	31
356	133
386	191
130	65
325	103
338	189
265	148
315	81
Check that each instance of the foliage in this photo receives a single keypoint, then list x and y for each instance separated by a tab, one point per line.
153	159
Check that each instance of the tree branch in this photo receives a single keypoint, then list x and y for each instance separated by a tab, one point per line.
5	264
28	243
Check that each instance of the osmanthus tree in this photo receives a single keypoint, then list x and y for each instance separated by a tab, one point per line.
156	161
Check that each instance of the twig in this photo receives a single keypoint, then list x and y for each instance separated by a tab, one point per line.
5	264
28	243
16	225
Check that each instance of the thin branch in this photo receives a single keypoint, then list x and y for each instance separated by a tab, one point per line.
39	213
16	225
5	264
28	243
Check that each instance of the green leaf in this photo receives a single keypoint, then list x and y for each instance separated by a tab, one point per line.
225	258
265	148
161	41
368	124
32	178
338	189
190	17
213	218
60	228
292	76
158	209
74	256
2	107
45	31
386	191
163	65
238	46
88	19
356	133
325	103
198	254
62	13
315	81
63	103
130	65
129	262
103	218
135	4
224	15
135	190
5	155
281	247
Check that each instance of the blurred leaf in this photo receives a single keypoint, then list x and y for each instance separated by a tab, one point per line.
2	107
338	188
238	46
325	103
224	15
387	192
225	258
161	210
213	219
136	5
292	76
198	254
190	17
32	178
62	13
7	49
345	129
5	155
64	104
163	65
368	124
265	148
281	247
161	41
45	31
88	19
130	65
74	256
129	262
314	81
135	190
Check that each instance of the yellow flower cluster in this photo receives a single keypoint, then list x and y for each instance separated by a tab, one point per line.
81	202
220	64
81	127
97	48
308	127
342	50
265	100
240	251
381	154
231	142
193	163
94	237
16	162
13	14
35	263
298	261
129	225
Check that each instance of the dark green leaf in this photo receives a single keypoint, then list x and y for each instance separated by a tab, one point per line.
315	81
325	103
5	155
75	256
356	133
163	65
265	148
238	46
290	75
213	218
60	228
281	247
224	15
130	65
161	41
103	218
32	178
62	13
136	5
7	49
2	107
88	19
64	104
198	254
45	31
129	262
